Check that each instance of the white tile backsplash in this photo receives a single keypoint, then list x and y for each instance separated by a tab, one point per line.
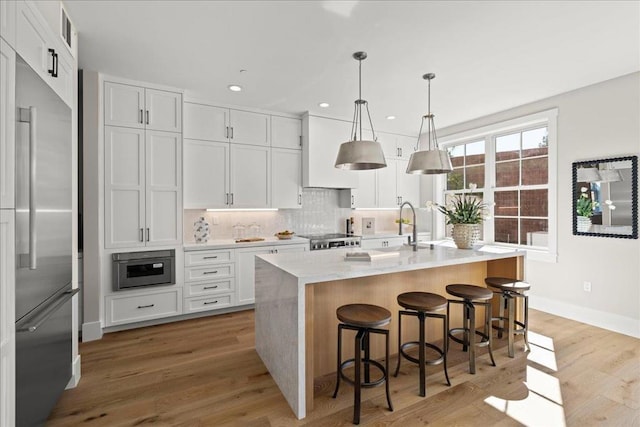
320	213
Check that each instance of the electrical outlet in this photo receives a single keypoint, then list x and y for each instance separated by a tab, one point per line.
215	220
586	286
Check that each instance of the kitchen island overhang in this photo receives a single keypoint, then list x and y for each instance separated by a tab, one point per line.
297	294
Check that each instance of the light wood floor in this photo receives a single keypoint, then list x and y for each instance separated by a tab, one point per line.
206	372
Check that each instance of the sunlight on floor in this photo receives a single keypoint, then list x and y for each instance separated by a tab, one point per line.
542	351
543	405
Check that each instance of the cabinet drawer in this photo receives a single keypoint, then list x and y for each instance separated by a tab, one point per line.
209	288
192	305
198	258
209	272
128	309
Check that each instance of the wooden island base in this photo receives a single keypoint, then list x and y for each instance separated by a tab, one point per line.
322	300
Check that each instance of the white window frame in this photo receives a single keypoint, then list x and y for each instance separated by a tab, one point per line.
548	118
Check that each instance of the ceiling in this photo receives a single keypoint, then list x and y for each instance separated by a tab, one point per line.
488	56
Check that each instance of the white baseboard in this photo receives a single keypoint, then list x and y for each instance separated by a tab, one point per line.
75	373
91	331
613	322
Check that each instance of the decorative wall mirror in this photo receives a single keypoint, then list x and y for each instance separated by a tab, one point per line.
605	197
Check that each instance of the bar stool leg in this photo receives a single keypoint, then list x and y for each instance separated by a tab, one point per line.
465	334
421	355
445	344
367	355
511	320
357	381
386	385
339	359
501	313
526	321
487	323
471	333
399	343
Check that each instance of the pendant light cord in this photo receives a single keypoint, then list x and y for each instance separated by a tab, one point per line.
431	132
356	125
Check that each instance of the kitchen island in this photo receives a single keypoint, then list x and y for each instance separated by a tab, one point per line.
297	296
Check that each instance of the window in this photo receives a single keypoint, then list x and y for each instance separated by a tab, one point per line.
511	166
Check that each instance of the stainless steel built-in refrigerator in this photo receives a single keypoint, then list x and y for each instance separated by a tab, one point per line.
43	247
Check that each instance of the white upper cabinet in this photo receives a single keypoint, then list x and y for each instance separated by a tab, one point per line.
286	178
8	22
387	197
211	123
142	108
408	185
205	122
321	140
44	51
7	124
250	170
248	128
206	174
286	132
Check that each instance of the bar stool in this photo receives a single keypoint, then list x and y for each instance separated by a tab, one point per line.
472	296
422	306
509	290
365	319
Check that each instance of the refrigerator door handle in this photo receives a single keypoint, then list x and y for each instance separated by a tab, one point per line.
29	115
42	317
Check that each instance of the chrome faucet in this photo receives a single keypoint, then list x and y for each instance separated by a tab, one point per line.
415	226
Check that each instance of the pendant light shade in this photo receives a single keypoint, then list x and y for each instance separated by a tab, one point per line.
433	160
359	154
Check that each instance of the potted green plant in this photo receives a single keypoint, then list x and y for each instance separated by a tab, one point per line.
465	212
585	208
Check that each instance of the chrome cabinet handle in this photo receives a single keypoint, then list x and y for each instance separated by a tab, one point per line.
148	233
210	302
140	116
300	199
226	132
210	272
147	116
211	287
210	257
54	63
146	306
142	234
231	199
231	132
353	200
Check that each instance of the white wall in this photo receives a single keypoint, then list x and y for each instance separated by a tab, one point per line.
602	120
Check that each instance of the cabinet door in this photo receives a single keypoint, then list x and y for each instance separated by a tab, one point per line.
286	178
281	249
31	40
163	110
406	146
286	132
205	122
246	273
250	169
206	174
163	152
371	243
388	143
387	196
7	318
7	124
123	105
63	84
366	195
124	187
408	185
248	128
8	23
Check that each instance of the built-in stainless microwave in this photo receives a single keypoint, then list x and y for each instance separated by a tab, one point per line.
138	269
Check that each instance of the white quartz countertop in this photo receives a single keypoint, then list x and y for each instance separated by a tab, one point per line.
390	234
327	265
231	243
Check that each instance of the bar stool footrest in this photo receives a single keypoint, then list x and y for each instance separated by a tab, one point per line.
434	347
374	363
482	343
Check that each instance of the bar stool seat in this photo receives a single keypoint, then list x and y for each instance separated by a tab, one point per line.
509	290
472	296
365	319
422	305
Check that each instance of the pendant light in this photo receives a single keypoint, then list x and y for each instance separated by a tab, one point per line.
359	154
433	160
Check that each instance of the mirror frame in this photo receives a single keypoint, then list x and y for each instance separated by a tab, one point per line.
634	197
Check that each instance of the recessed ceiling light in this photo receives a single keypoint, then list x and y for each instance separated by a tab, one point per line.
391	117
235	88
323	105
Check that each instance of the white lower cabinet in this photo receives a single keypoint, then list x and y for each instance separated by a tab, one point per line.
126	308
7	318
383	242
246	275
209	280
